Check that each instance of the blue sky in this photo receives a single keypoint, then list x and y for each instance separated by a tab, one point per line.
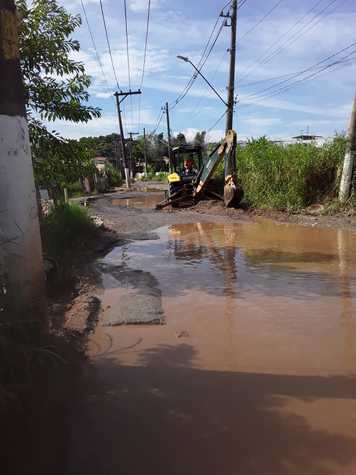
182	27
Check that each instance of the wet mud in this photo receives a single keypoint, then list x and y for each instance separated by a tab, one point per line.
252	372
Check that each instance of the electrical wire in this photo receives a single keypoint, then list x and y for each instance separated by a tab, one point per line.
144	60
205	55
300	73
217	122
342	62
271	47
199	67
93	42
312	75
302	31
261	20
159	120
127	44
128	59
108	43
146	42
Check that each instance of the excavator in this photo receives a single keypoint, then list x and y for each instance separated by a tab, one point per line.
190	177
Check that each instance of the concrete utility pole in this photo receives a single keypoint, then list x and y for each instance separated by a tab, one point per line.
22	284
123	96
230	158
131	134
169	137
232	51
144	150
346	178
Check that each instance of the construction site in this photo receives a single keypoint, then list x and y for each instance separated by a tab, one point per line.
178	237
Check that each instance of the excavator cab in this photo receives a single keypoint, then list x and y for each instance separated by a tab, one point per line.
190	177
186	162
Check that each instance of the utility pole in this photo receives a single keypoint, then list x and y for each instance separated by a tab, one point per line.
346	178
22	284
169	137
230	158
144	150
123	96
131	134
232	51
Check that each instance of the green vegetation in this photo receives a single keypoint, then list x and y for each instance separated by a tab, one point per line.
56	88
113	176
66	229
289	177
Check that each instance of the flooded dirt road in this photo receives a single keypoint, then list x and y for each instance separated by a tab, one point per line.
222	348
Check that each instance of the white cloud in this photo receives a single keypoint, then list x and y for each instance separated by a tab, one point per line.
139	6
104	125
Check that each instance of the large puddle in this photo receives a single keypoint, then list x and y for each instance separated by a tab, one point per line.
255	297
140	200
243	360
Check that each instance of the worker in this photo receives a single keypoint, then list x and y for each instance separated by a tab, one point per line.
189	168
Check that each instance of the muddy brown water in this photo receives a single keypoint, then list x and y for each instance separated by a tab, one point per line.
140	200
250	366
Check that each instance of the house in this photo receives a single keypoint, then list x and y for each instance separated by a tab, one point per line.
100	163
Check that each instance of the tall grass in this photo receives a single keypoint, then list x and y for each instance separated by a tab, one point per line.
289	177
66	229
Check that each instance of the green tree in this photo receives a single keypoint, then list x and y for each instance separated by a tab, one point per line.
56	85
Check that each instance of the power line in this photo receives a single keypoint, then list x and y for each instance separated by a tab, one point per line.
344	61
217	122
302	31
261	58
146	42
312	75
158	123
204	56
108	43
93	42
144	60
127	44
261	20
300	73
201	64
194	76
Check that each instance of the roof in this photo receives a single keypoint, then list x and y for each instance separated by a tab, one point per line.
187	148
307	137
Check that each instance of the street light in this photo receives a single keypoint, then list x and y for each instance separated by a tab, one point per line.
187	60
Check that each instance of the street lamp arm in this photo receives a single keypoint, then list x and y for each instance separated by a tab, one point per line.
187	60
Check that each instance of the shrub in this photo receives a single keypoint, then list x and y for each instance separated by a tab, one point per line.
75	189
113	176
289	177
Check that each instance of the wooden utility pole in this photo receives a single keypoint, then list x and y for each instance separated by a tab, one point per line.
144	150
22	283
123	96
347	172
169	137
